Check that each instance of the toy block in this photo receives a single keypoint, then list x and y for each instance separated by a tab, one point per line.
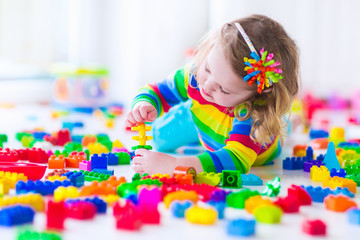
272	188
251	180
299	150
43	188
184	170
142	138
96	188
180	196
212	179
72	125
23	154
76	178
237	199
16	215
113	181
27	141
268	214
231	179
86	140
317	194
219	206
149	214
318	133
34	200
33	235
335	182
353	216
338	173
73	160
300	194
124	158
112	159
314	227
288	204
79	209
4	186
12	178
199	215
56	162
62	193
110	199
178	208
94	176
309	164
8	156
337	135
338	203
256	201
241	227
117	144
352	169
55	215
56	172
149	197
218	195
126	189
103	171
85	165
319	174
184	179
293	163
97	148
100	204
99	161
309	153
127	216
330	160
355	178
56	178
204	191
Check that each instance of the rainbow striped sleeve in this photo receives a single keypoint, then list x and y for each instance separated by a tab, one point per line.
163	95
239	153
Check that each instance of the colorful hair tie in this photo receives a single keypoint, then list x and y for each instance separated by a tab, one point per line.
261	68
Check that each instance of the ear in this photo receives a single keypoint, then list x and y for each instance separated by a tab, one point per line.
267	90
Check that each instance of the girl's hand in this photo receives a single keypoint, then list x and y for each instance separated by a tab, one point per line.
141	112
146	161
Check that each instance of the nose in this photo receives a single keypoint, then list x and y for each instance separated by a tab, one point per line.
210	85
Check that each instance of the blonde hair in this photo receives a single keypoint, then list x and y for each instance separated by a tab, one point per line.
268	108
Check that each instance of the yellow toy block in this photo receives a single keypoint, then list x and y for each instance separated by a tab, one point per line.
319	174
212	179
4	186
97	148
34	200
181	196
159	175
110	199
117	144
62	193
142	138
13	177
334	182
56	178
337	135
348	157
199	215
256	201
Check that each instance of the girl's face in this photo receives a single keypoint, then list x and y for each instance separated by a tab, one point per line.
219	84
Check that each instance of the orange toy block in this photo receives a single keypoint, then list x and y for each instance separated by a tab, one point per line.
88	139
319	174
113	181
95	188
73	160
338	203
335	182
184	178
256	201
319	143
56	162
299	150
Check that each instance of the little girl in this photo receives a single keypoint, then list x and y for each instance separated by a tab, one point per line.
241	83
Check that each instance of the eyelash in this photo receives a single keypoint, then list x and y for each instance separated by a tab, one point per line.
222	90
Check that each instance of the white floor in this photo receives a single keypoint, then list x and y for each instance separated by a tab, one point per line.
103	227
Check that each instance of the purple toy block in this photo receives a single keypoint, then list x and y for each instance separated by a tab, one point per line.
309	164
85	165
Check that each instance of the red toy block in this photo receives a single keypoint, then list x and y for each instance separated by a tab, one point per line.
56	214
23	154
149	214
56	162
81	210
127	216
37	155
314	227
288	204
300	194
8	156
59	138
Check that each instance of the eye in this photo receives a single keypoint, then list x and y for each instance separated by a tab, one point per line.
223	91
207	68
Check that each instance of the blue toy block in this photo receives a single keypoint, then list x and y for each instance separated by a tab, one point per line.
99	162
109	172
219	195
320	157
330	160
40	135
354	216
348	144
344	191
72	125
43	188
16	215
341	173
317	194
219	206
77	138
133	198
76	178
112	159
251	180
309	153
318	134
293	163
132	154
241	227
178	208
99	203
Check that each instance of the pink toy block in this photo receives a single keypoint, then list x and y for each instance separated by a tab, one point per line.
85	165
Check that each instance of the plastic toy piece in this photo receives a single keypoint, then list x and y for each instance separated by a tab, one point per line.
16	215
33	235
319	174
334	173
330	160
185	170
31	170
100	204
78	209
43	188
300	194
353	216
34	200
231	179
85	165
103	171
352	169
124	158
149	214
127	216
336	182
94	176
318	134
99	161
59	138
299	150
318	194
338	203
11	178
199	215
55	215
4	187
314	227
178	208
56	162
309	164
237	199
76	178
219	206
212	179
56	173
294	163
241	227
73	159
98	188
256	201
56	178
142	138
112	159
355	178
268	214
62	193
272	188
288	204
181	196
110	199
319	143
251	180
8	156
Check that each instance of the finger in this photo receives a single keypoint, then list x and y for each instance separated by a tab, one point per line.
137	117
143	110
137	160
130	118
152	115
141	152
138	169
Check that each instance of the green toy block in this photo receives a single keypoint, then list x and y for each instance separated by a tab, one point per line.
33	235
20	135
87	152
148	147
28	141
72	146
272	188
268	214
231	179
237	199
138	177
127	189
95	176
124	158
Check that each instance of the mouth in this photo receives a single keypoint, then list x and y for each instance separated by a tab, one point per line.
205	93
